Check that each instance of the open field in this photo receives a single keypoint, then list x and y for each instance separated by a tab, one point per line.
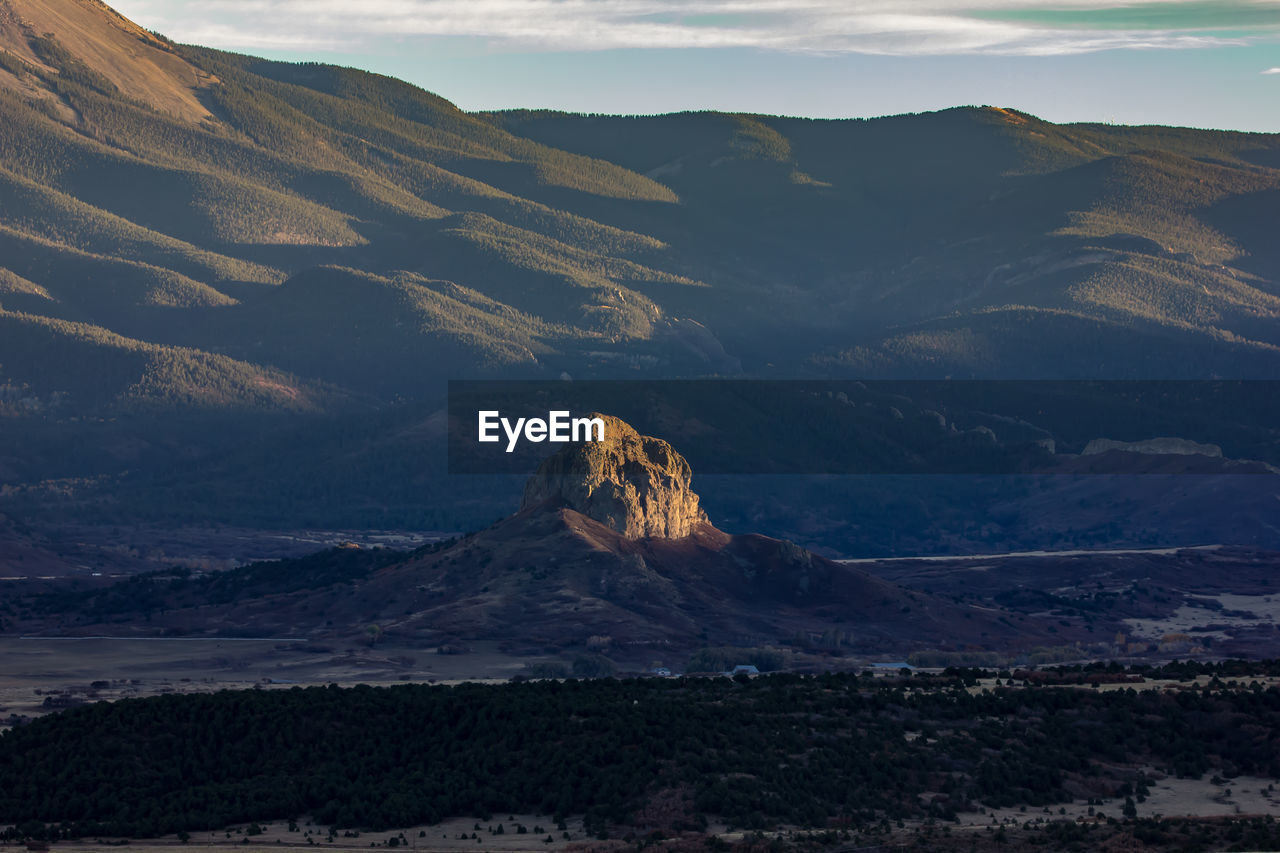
1198	683
40	675
446	835
1170	797
43	674
1243	796
1071	552
1213	615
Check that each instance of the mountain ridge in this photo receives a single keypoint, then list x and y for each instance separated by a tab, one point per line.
91	36
341	230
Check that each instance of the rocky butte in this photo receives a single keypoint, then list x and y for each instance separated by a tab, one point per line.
633	484
611	542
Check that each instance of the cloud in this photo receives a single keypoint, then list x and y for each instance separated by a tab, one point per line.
892	27
1272	71
212	34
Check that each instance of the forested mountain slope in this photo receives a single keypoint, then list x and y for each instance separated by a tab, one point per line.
221	232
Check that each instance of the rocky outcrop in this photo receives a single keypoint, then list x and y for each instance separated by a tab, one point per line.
634	484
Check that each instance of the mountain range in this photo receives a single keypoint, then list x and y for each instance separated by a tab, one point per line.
217	270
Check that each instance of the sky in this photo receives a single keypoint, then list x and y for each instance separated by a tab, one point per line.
1198	63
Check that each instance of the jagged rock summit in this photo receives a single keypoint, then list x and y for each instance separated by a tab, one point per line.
634	484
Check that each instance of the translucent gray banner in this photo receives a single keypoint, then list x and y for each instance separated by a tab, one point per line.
883	427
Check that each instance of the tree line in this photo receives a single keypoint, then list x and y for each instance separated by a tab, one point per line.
793	749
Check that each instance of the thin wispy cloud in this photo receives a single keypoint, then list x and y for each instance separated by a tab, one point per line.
213	34
886	27
1272	71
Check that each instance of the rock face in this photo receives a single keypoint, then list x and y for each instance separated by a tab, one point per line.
632	483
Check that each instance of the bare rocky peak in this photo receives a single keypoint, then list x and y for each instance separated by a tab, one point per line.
635	484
